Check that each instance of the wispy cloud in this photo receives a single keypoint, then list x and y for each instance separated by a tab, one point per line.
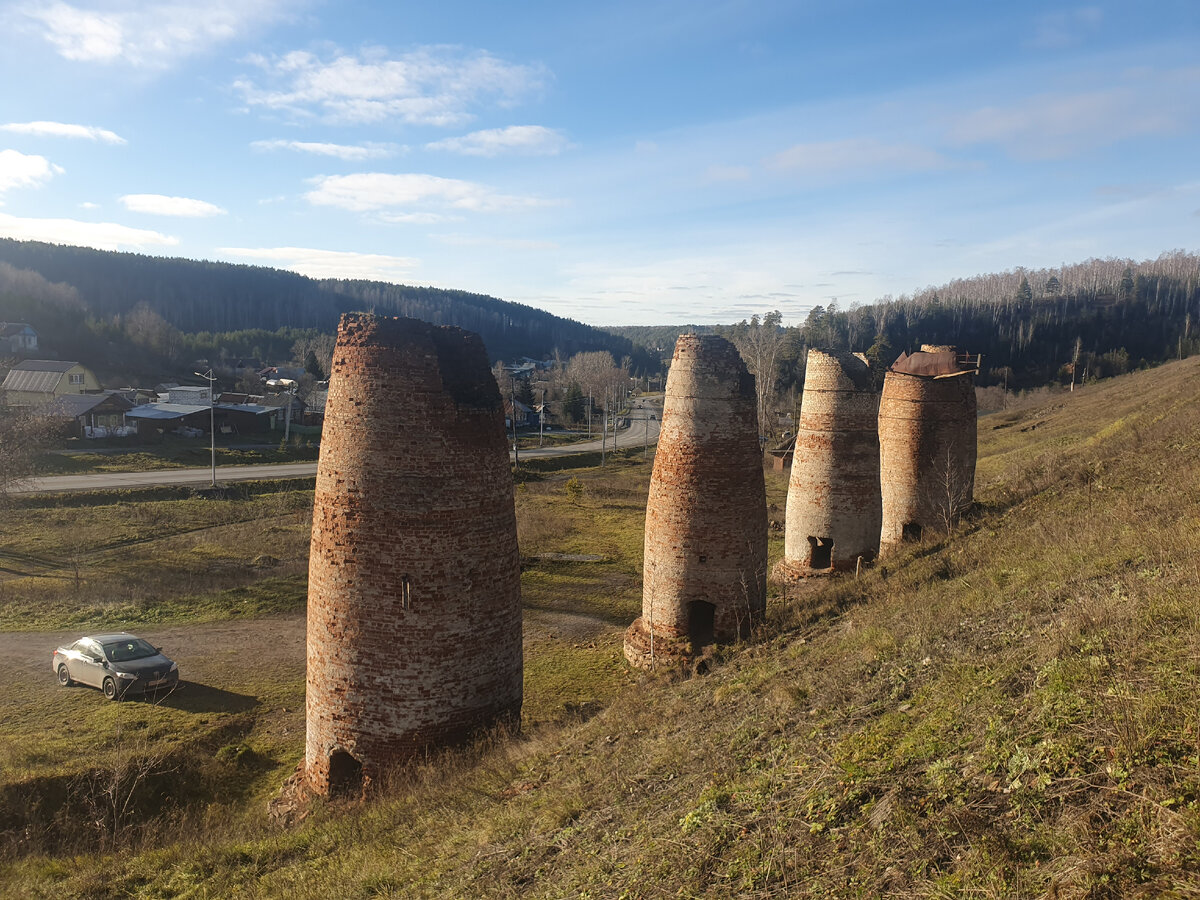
153	35
327	263
1052	125
370	191
717	174
858	156
349	152
437	85
100	235
62	129
418	218
161	205
526	140
479	240
1065	28
22	170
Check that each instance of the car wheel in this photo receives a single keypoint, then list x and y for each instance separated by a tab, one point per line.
110	689
64	677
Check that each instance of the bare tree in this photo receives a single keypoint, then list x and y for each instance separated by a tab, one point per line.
598	375
760	341
953	489
24	434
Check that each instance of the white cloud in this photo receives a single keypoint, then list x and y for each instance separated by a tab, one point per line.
88	204
161	205
857	156
152	35
436	85
21	170
349	152
327	263
370	191
101	235
62	129
529	140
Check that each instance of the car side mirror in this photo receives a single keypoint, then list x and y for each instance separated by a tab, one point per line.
103	662
158	649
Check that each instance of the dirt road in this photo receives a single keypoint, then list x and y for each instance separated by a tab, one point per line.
224	655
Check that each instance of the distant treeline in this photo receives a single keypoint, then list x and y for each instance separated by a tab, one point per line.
1093	319
100	306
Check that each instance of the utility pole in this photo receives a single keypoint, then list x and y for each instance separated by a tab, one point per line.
542	418
513	400
604	430
212	420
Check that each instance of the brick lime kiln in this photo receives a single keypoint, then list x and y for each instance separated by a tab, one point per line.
414	604
706	517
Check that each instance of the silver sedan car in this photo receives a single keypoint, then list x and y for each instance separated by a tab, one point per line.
118	664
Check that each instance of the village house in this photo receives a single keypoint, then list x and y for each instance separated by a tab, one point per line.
18	337
35	382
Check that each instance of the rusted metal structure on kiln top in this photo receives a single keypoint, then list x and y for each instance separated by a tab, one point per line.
414	603
927	442
834	510
706	516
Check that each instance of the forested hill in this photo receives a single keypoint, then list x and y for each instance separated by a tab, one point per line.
1093	319
1100	317
195	296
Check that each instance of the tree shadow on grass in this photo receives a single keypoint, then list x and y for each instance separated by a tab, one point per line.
190	696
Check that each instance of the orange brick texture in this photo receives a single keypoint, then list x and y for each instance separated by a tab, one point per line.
927	450
414	603
833	493
706	517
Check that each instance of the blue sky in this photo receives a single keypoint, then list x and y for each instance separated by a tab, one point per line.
619	163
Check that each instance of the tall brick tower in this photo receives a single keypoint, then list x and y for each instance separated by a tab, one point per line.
414	598
927	442
706	517
833	502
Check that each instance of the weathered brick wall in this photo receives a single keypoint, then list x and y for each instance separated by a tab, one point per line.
927	449
706	517
414	613
833	492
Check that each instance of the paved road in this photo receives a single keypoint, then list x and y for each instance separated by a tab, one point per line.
640	432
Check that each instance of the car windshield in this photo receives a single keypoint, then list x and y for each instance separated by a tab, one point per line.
134	648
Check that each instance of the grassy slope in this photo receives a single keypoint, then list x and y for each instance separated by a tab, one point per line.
1010	712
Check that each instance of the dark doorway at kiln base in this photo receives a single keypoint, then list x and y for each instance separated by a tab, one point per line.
911	533
820	552
701	622
345	774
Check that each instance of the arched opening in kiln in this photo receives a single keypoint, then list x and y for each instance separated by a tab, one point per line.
911	532
345	774
701	622
820	552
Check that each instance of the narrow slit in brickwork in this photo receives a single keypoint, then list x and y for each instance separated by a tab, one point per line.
405	593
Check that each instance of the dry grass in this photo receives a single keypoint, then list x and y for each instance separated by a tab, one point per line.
1010	712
